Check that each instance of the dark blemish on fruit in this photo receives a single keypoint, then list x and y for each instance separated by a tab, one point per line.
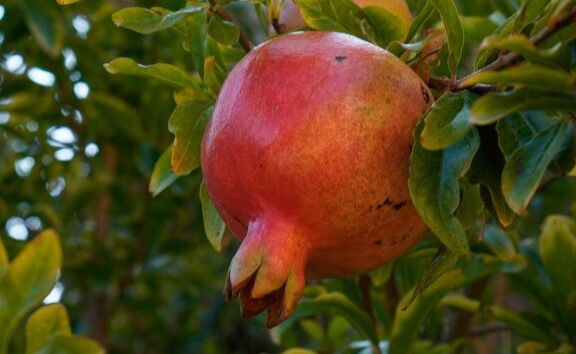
340	58
388	202
403	238
400	205
378	243
425	94
393	243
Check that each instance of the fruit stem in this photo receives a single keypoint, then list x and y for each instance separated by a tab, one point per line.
225	15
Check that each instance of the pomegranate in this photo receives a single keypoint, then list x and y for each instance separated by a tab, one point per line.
290	17
306	159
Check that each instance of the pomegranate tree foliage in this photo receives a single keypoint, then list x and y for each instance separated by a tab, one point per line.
24	282
491	171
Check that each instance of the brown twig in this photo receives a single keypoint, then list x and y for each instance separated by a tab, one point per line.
225	15
392	297
511	59
482	331
278	27
365	285
507	60
442	84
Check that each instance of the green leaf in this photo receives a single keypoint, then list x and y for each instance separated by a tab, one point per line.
44	324
387	27
521	325
531	347
497	146
435	190
515	321
3	254
525	168
477	28
446	121
3	260
67	2
298	351
147	21
486	170
214	75
48	332
213	224
523	46
380	276
441	262
333	15
470	205
197	33
224	32
558	253
27	102
407	322
187	124
30	277
314	330
46	24
336	332
563	35
528	75
72	345
165	73
494	106
454	29
530	10
188	94
162	175
519	128
373	24
499	243
423	12
340	305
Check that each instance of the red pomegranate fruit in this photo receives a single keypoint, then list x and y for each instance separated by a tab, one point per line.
306	159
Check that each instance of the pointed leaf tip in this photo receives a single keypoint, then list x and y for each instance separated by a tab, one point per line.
162	176
214	226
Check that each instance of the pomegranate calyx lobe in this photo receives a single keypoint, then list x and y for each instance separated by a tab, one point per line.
268	270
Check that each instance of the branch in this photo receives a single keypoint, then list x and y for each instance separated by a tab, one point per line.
443	83
278	27
225	15
511	59
482	331
365	285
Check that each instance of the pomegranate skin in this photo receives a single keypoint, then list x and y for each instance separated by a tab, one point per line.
306	158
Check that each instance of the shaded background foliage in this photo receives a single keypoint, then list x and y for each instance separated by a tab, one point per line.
138	274
78	148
